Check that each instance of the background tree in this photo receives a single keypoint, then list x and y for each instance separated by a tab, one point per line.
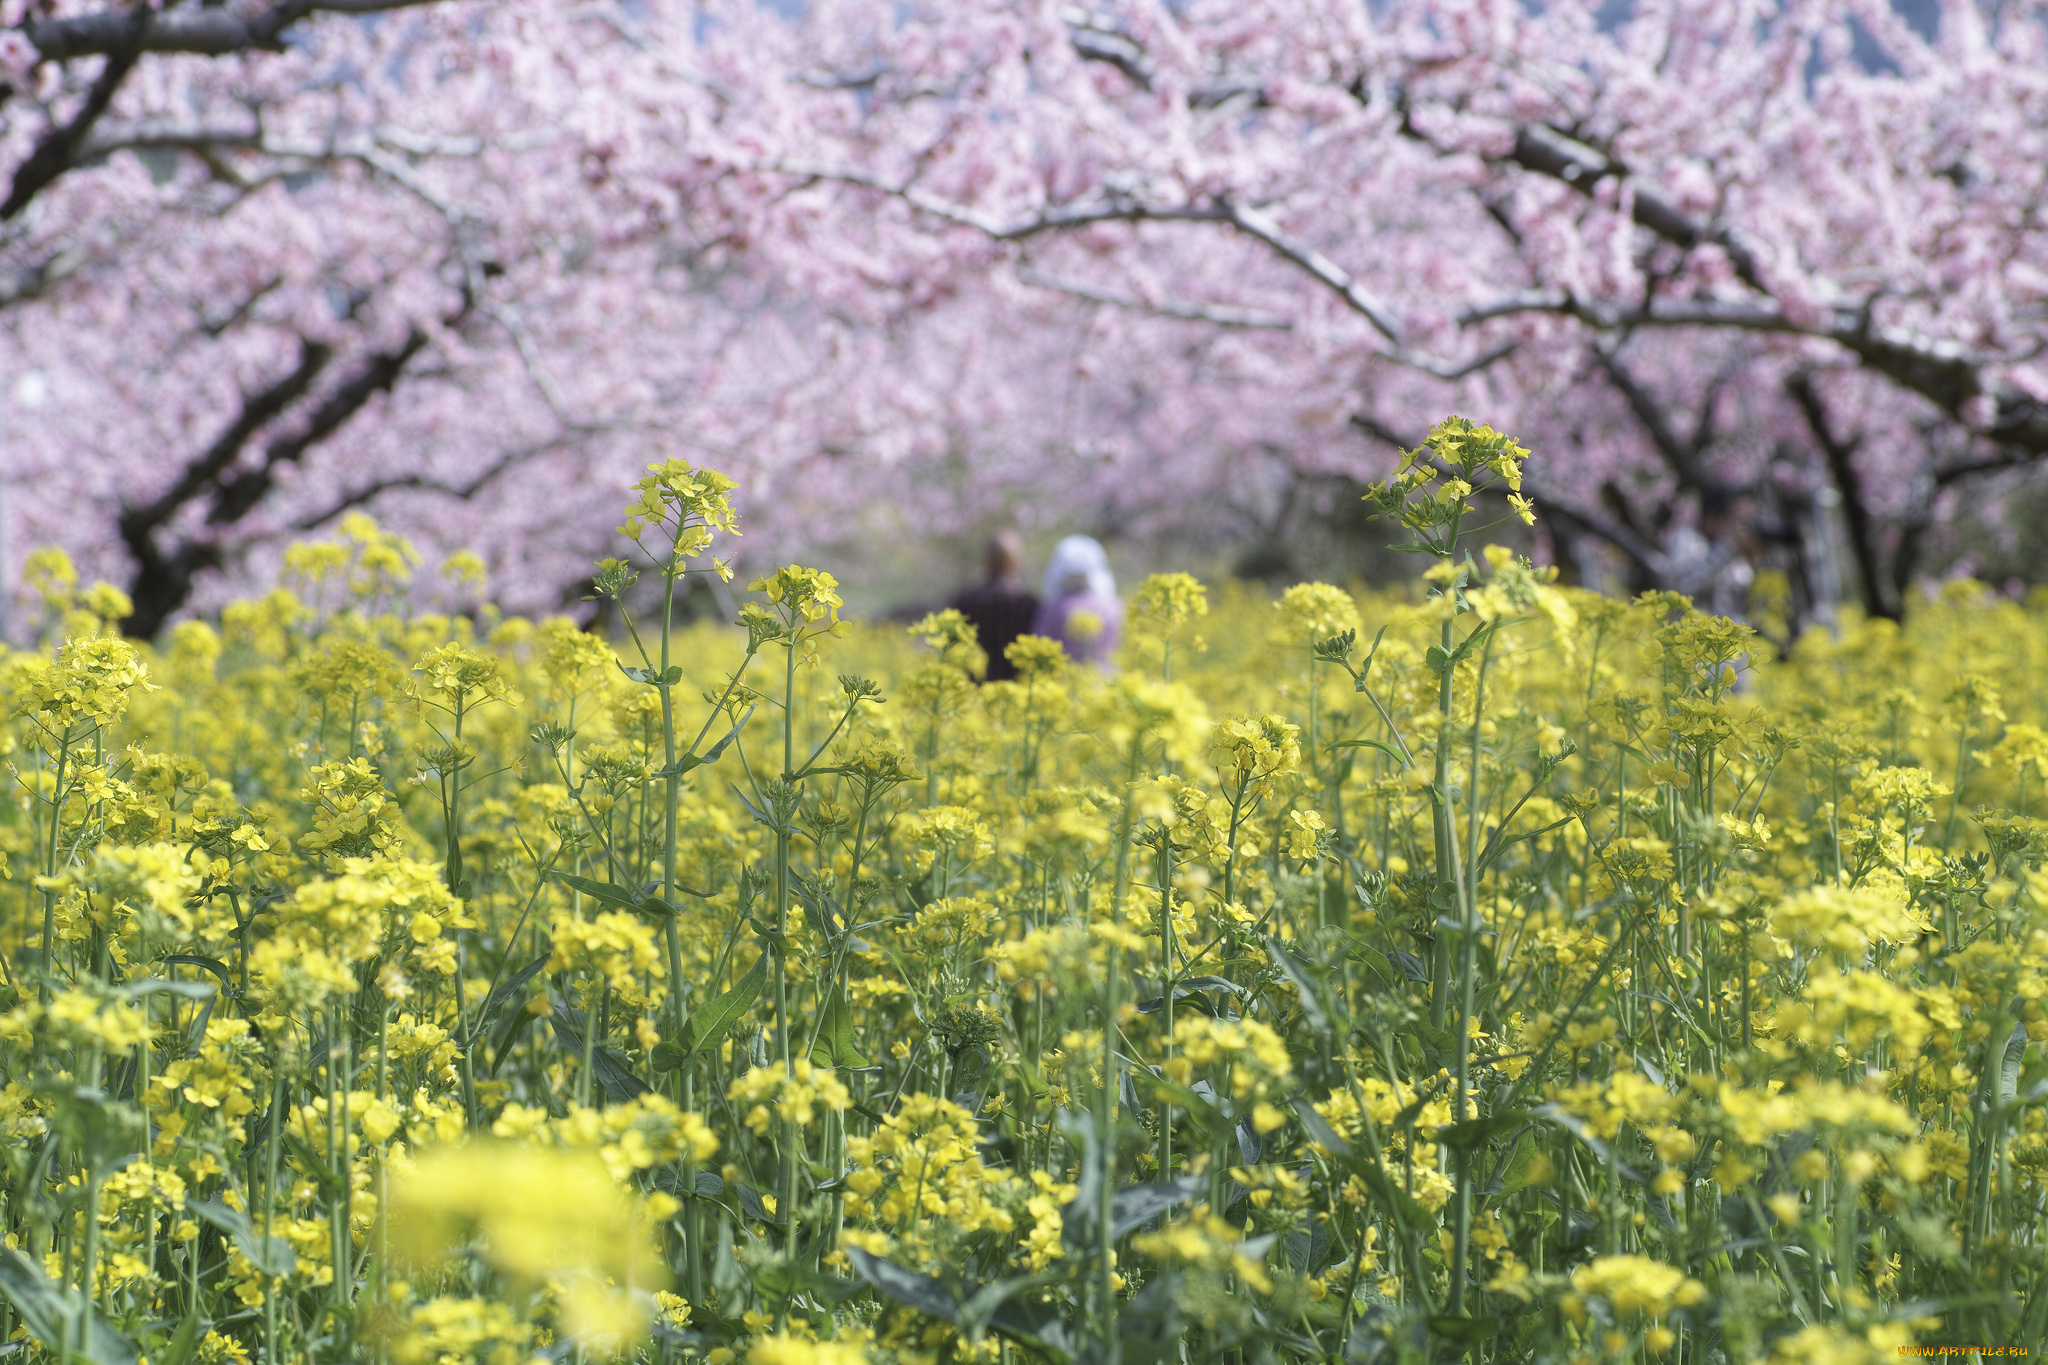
1149	269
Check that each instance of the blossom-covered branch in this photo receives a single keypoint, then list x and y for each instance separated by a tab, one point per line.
203	29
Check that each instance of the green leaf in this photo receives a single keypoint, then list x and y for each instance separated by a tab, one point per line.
752	1204
1503	845
505	990
711	755
1465	1331
1136	1205
150	985
1520	1162
709	1022
925	1293
761	816
1396	1200
1576	1126
777	941
1472	1132
1472	642
2009	1066
1437	1044
1191	989
834	1046
313	1162
614	1075
1298	974
610	894
668	1057
1389	750
211	964
621	1086
1319	1130
270	1255
103	1127
971	1305
1374	961
53	1312
184	1344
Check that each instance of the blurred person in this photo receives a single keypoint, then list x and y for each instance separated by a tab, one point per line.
1709	557
1081	609
1000	607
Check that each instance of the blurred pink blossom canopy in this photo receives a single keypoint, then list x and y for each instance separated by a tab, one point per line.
471	266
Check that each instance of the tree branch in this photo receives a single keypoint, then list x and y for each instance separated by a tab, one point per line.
208	31
1639	552
57	151
1937	369
1956	473
239	494
1256	224
1675	452
33	281
1098	44
1252	222
164	578
1221	315
1839	455
1549	152
462	492
258	411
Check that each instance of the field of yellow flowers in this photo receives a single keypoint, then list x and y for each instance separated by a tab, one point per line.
1489	972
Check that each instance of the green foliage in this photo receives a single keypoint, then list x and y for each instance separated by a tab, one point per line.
1578	984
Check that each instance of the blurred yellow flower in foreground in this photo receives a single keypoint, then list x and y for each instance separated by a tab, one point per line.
539	1217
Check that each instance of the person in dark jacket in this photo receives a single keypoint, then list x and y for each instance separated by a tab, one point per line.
1001	608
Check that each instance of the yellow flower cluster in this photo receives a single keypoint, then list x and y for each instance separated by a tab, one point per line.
768	1093
1622	984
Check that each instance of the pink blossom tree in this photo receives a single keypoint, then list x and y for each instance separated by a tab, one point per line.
1149	267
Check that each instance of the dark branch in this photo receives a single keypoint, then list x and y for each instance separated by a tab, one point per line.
57	152
420	483
1675	452
1095	43
209	31
1913	529
122	36
258	411
1548	152
1380	431
164	578
1114	49
1938	370
33	281
1956	473
1856	517
240	494
1639	552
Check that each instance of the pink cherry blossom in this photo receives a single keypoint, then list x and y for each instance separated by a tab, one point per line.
1137	268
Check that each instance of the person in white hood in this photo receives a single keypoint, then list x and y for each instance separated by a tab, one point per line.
1079	606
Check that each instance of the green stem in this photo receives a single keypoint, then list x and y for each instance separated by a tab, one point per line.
1166	985
785	1211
